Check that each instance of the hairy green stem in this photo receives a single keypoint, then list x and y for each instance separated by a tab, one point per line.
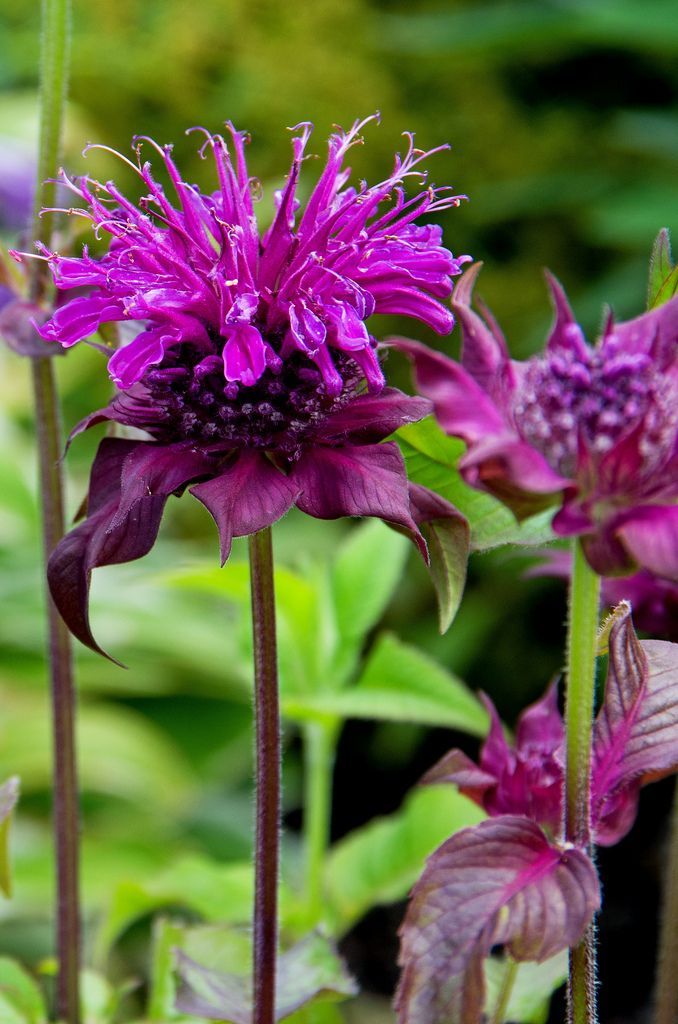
319	752
504	997
54	63
267	777
584	601
666	998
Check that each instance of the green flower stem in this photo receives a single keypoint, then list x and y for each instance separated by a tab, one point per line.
584	604
53	83
666	1008
504	997
320	740
267	777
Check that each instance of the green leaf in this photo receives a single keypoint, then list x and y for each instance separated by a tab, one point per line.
432	458
218	892
533	986
364	577
98	997
21	998
166	936
380	862
663	278
448	543
399	684
9	795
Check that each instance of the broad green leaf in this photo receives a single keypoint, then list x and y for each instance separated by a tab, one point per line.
432	458
398	683
533	986
21	998
380	862
365	574
218	892
663	278
297	613
9	795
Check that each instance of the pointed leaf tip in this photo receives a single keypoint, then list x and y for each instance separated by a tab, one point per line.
662	282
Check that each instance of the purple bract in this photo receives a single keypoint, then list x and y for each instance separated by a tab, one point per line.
249	362
594	430
635	741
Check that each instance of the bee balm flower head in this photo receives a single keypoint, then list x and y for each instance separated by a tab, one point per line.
250	368
591	429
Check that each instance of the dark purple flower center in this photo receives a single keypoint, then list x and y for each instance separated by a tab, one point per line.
279	413
597	397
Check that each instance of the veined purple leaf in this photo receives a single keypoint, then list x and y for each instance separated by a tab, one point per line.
309	970
636	732
499	882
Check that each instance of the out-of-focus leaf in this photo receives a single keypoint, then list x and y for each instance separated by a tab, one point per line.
218	892
21	999
166	936
121	753
663	278
532	987
399	683
521	27
9	795
379	862
501	882
365	574
432	459
309	971
98	998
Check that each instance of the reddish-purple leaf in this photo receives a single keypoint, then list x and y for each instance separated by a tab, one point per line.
369	480
500	882
97	542
305	972
250	494
17	328
636	732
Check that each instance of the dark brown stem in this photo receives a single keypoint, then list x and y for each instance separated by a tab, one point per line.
66	816
267	754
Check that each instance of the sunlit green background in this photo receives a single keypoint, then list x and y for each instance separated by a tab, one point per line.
562	120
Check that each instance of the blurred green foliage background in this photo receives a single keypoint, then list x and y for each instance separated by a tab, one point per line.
562	119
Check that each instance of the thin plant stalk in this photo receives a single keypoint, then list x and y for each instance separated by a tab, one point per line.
54	63
319	753
666	998
267	777
504	997
583	612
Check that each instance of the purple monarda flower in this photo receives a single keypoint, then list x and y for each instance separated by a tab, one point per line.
594	430
635	741
251	367
512	880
